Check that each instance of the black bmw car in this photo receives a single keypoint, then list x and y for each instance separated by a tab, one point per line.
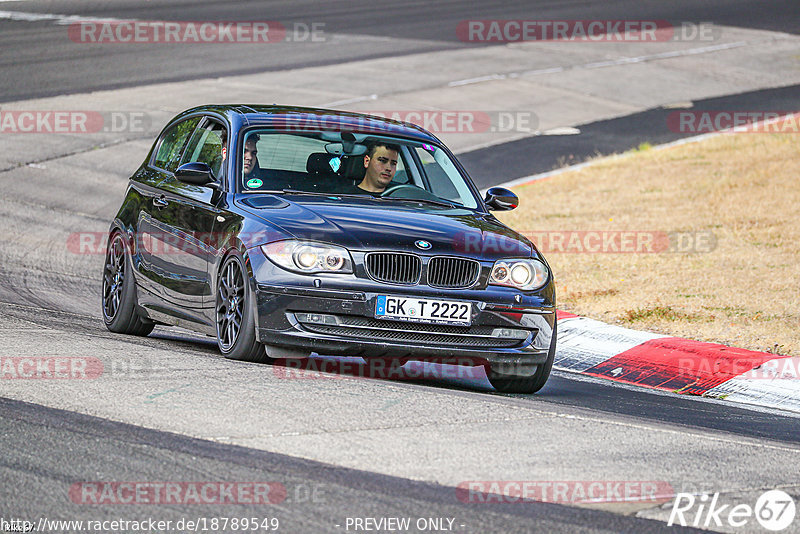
287	231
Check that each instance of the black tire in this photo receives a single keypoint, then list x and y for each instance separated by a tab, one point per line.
504	383
119	291
235	313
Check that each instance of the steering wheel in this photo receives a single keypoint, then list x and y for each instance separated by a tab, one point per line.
414	192
389	192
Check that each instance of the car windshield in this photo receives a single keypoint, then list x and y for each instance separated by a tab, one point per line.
351	164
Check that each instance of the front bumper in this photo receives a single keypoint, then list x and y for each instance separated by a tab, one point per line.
506	332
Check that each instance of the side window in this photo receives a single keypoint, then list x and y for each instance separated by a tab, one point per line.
205	146
169	151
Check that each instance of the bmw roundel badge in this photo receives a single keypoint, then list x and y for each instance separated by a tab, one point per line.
424	245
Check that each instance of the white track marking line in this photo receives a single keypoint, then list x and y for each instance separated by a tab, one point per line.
57	19
603	64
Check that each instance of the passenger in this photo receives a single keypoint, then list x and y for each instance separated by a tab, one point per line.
254	177
250	158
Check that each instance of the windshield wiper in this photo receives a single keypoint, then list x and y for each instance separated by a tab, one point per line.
442	203
315	193
290	191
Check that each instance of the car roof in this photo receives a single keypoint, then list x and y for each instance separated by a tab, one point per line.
302	118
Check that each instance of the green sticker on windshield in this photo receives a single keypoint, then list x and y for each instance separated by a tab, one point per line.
254	183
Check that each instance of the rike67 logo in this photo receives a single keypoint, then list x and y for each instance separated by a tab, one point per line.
774	510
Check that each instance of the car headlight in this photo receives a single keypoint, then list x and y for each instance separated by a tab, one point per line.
306	257
519	273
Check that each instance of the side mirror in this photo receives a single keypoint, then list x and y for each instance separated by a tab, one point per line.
501	199
195	173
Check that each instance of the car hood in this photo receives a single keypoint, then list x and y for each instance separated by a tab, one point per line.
383	224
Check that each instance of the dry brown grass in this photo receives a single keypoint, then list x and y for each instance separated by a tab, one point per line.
744	188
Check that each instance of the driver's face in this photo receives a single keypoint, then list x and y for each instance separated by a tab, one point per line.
249	159
381	168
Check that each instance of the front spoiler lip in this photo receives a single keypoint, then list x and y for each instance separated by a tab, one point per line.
334	346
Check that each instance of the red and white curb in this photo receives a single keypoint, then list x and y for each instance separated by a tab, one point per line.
594	348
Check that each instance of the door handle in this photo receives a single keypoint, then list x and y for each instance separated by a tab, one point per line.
160	202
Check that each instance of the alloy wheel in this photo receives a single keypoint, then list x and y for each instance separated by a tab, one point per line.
230	304
113	277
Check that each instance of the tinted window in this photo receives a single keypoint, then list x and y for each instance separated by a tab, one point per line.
169	151
205	146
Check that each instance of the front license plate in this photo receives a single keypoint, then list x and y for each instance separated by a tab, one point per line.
423	310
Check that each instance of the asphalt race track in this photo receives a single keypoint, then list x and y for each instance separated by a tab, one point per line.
34	61
169	409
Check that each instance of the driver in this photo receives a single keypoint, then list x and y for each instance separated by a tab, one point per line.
381	164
